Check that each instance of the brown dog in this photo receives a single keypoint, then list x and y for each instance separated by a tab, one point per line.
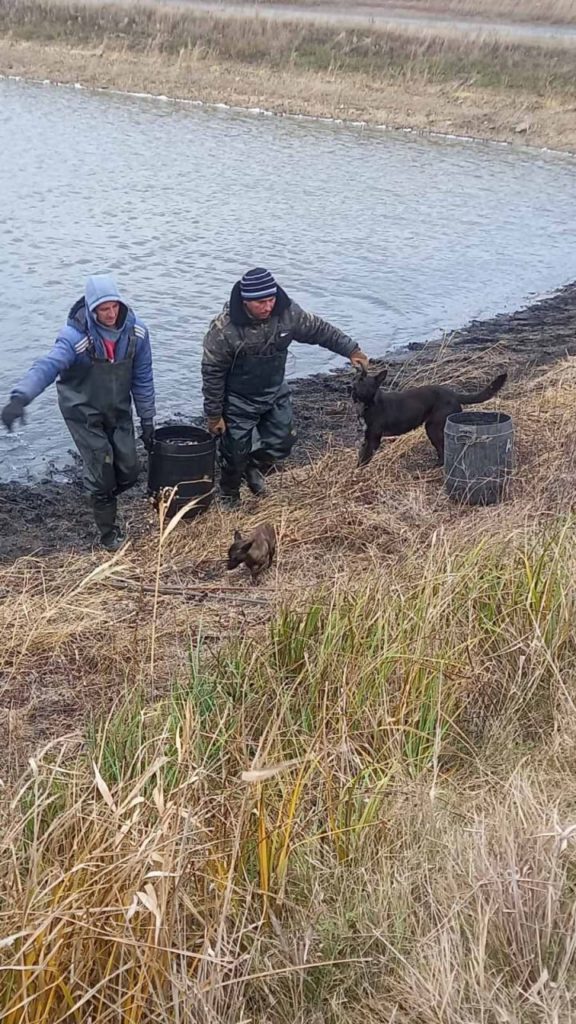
256	551
390	413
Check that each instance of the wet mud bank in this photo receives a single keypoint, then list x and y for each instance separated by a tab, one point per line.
53	515
519	342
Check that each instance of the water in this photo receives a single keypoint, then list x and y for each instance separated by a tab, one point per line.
392	237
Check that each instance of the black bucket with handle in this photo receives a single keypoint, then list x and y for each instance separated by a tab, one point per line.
183	457
478	457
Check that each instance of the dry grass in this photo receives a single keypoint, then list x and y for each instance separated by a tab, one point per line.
388	55
551	12
401	695
335	524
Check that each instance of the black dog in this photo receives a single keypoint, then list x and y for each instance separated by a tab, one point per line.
390	413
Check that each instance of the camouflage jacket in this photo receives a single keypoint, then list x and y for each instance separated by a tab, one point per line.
233	337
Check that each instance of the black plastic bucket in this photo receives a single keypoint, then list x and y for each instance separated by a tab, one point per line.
183	457
478	456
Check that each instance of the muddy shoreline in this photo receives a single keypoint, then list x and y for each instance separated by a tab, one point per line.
52	516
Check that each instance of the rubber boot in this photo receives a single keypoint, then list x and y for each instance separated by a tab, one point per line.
255	480
228	500
105	518
265	463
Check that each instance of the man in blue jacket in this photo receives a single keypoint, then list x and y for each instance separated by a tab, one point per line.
103	360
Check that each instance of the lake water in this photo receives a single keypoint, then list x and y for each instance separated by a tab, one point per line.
394	238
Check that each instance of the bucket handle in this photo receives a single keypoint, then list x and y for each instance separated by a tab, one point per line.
469	439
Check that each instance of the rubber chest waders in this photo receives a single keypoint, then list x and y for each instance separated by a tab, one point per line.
96	403
257	396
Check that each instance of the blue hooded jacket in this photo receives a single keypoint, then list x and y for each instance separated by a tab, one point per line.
73	341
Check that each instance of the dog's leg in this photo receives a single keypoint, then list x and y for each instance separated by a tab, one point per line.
435	431
370	445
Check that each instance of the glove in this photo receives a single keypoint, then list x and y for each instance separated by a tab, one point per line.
13	411
147	434
216	425
359	358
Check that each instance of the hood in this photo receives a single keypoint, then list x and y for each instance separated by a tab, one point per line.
238	314
101	288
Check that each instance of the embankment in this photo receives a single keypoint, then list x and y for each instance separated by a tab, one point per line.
52	516
343	796
485	88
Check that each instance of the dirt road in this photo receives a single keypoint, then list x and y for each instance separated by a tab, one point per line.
382	16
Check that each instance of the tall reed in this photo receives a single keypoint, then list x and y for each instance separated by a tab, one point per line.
366	812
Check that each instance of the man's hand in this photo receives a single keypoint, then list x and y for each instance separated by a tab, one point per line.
359	358
13	411
147	434
216	426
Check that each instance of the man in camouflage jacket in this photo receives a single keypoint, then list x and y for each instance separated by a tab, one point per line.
243	377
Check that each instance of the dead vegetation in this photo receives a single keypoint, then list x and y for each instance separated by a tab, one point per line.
335	524
392	55
346	793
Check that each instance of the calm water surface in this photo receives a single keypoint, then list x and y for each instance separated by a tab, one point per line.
392	237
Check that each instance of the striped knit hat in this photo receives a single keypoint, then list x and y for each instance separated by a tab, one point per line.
257	284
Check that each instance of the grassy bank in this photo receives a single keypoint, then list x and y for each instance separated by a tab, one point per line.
393	54
483	87
360	806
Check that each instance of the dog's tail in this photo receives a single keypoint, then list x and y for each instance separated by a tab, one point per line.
482	396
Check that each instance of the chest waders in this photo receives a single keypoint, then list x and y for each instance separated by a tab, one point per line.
96	403
257	397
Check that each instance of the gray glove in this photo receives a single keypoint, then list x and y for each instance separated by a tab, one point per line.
13	411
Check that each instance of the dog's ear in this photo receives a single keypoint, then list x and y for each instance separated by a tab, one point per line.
381	377
237	536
